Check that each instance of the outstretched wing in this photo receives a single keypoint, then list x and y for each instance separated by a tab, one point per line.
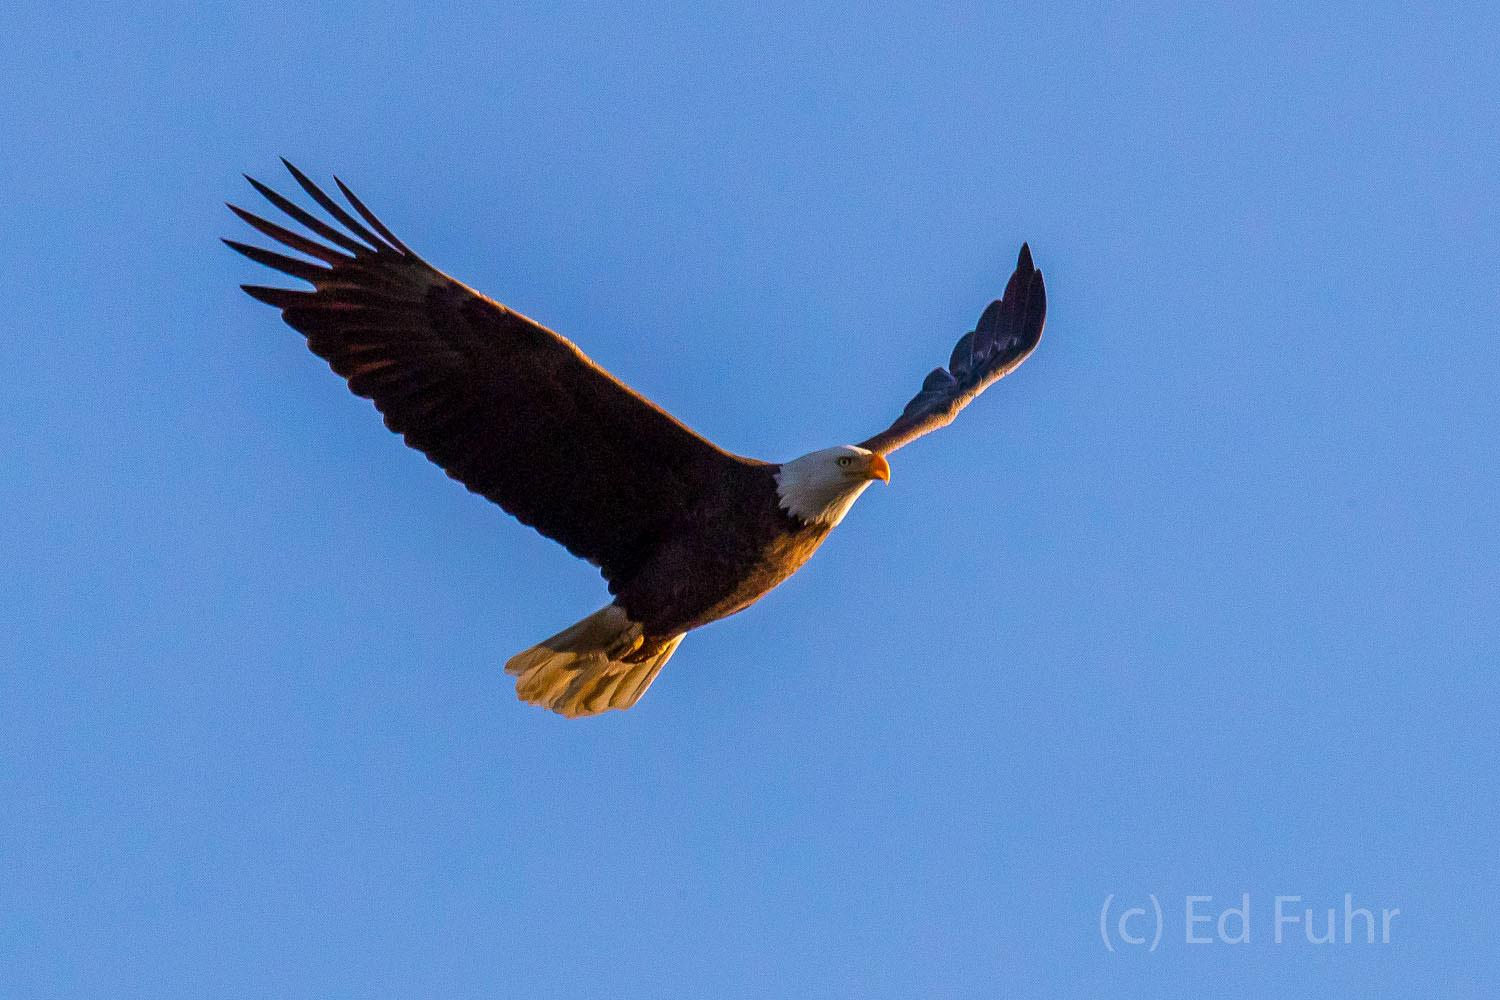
1006	333
505	406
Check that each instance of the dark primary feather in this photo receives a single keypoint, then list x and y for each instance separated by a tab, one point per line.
1006	333
507	407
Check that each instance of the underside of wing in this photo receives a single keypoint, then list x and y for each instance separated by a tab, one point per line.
1006	333
507	407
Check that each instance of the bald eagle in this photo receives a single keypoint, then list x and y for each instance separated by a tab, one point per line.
684	532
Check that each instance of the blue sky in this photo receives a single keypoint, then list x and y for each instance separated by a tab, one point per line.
1199	602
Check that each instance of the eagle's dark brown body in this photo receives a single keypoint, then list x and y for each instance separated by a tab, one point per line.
685	532
723	556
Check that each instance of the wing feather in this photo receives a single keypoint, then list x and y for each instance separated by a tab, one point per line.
507	407
306	218
369	217
1006	333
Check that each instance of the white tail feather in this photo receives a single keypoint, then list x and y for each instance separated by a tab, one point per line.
578	672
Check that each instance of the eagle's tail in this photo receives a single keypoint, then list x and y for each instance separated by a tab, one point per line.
583	671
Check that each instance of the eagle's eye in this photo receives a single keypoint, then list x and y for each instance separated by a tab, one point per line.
845	460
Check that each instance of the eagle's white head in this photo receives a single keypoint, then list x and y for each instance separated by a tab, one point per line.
819	488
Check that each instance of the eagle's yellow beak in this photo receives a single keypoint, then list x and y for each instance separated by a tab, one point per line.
879	468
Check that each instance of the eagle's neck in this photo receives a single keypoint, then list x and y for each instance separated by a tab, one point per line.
811	490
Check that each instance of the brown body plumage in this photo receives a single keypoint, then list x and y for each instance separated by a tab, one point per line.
684	532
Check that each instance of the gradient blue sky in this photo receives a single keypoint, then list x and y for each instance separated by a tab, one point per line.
1201	601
